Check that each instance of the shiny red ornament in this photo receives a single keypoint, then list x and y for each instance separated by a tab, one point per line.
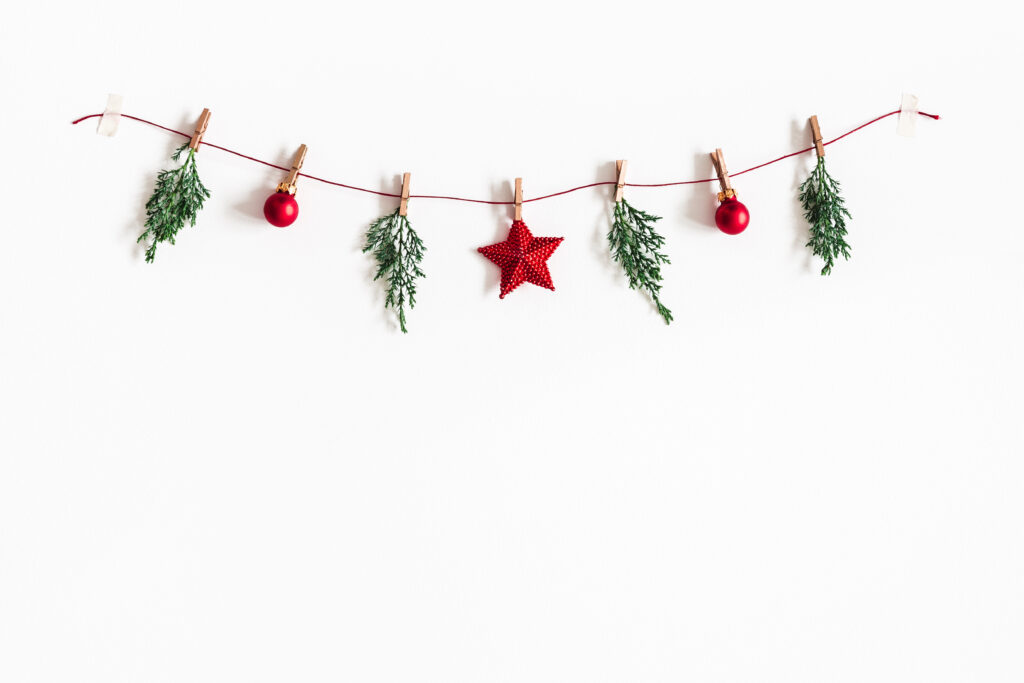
522	258
281	209
732	216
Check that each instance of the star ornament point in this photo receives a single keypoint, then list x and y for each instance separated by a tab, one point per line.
522	258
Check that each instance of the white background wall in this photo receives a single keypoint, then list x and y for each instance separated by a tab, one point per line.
229	466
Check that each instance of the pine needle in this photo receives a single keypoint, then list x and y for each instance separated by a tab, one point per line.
826	212
398	251
177	199
636	246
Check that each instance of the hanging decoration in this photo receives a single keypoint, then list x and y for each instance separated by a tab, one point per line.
633	241
398	251
281	209
178	196
522	257
824	209
732	216
636	245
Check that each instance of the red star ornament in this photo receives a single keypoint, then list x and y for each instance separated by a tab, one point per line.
522	258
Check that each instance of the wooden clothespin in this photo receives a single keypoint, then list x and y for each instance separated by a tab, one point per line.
403	208
620	179
519	200
293	175
816	137
723	176
197	137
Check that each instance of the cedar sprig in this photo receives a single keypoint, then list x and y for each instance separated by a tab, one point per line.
399	252
636	246
177	198
826	212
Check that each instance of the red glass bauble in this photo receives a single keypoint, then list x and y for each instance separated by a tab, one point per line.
281	209
732	216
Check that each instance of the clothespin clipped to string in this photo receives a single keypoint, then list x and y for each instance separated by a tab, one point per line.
518	216
816	137
620	179
201	124
723	176
732	216
281	209
293	175
403	207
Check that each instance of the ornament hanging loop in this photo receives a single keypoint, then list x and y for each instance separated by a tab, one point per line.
620	179
816	137
518	216
718	159
288	185
201	124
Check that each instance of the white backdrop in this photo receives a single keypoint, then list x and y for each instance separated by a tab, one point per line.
230	466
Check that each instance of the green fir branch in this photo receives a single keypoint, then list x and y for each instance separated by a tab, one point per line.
177	199
398	251
636	246
826	212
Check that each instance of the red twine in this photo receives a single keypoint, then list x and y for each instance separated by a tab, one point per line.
485	201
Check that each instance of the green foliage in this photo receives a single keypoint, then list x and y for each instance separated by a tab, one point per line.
635	245
177	198
824	209
399	251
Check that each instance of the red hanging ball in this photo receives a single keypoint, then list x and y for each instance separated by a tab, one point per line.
281	209
732	216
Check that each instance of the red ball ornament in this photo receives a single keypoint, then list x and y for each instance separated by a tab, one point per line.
281	209
732	216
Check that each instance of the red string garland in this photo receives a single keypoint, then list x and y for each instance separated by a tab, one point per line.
486	201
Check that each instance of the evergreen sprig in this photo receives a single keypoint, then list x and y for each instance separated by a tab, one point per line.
636	246
825	210
177	198
399	251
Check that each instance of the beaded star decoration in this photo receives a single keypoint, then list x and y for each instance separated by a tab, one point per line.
522	258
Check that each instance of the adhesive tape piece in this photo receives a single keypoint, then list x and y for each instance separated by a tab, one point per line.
111	116
908	116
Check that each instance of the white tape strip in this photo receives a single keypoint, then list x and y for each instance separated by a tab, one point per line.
908	116
111	116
